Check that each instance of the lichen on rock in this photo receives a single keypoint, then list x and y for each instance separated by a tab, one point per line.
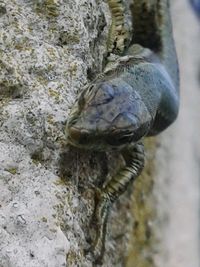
47	51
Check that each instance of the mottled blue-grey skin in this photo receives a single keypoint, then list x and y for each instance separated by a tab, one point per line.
140	97
117	111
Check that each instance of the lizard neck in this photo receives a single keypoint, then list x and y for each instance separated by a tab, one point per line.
152	29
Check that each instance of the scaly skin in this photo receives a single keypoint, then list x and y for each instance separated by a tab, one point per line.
136	96
118	34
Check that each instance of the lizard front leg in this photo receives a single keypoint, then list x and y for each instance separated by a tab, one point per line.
134	158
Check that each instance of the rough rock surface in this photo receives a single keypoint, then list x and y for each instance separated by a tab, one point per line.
48	51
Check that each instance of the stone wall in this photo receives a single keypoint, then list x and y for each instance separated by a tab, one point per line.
49	49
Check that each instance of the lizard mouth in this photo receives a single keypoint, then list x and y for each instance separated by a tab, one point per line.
99	141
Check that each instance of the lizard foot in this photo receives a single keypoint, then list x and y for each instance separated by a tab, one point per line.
98	228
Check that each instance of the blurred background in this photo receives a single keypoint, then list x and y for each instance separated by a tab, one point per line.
175	240
183	235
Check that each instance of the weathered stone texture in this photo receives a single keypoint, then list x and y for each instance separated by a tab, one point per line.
48	49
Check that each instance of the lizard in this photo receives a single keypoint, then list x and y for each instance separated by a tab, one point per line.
136	96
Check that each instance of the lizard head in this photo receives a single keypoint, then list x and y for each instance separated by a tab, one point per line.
107	115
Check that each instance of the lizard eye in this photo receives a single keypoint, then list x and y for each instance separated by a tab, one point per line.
81	101
90	88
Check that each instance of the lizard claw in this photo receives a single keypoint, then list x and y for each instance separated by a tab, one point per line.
97	230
